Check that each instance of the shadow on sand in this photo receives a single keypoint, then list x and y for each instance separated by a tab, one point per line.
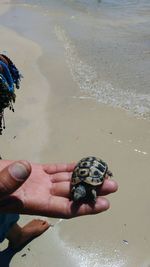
6	256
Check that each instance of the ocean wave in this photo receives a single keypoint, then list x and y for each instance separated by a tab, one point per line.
95	255
102	91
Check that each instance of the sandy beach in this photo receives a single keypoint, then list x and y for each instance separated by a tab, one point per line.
54	121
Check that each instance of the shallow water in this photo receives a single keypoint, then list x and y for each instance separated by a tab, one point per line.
107	46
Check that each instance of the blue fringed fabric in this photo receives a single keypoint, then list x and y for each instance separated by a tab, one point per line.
9	79
16	75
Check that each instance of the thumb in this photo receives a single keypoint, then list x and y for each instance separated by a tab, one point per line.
13	176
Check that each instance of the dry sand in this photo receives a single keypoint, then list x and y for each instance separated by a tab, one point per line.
55	122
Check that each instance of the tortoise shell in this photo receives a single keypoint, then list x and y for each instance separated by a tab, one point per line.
90	170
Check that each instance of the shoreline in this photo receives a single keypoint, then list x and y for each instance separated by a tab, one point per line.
61	125
25	122
5	8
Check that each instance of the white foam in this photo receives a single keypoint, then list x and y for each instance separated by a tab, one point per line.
139	151
94	255
88	81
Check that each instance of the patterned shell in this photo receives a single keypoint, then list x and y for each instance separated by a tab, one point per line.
90	170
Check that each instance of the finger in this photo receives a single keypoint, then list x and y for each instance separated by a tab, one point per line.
63	188
63	208
101	205
55	168
61	177
108	187
13	176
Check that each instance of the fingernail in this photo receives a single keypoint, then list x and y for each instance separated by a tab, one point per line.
106	204
103	203
18	170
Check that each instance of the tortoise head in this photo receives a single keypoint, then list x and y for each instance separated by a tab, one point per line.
79	193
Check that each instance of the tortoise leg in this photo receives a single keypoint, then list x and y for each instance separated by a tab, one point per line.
94	194
72	192
109	173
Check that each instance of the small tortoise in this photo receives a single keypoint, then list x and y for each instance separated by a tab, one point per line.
89	173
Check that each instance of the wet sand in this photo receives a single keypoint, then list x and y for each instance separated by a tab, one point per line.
55	122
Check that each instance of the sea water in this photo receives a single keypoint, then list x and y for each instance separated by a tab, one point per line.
107	45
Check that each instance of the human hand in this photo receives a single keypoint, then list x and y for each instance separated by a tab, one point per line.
47	192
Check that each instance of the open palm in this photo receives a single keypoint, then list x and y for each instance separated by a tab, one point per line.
47	192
